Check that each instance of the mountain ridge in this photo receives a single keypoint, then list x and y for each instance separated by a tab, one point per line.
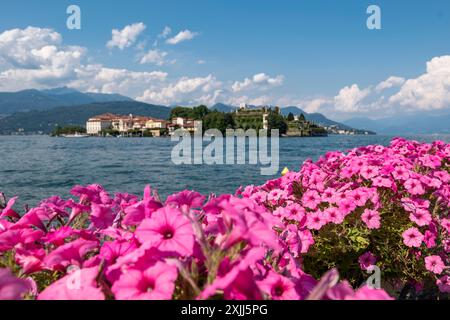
46	121
406	124
33	99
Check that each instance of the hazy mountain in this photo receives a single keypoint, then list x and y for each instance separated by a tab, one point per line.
28	100
223	107
47	120
407	124
110	97
316	118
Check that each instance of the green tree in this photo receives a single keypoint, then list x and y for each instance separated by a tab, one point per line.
302	118
68	130
277	121
229	121
181	112
196	113
290	116
215	120
199	112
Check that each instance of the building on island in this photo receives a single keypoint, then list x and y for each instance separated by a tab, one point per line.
189	125
246	117
97	125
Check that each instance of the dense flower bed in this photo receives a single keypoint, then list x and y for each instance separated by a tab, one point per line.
383	206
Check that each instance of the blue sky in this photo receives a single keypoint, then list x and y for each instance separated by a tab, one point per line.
290	52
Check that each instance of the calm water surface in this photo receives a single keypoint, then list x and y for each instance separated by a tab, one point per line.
37	167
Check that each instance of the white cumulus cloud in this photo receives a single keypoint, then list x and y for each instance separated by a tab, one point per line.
349	98
154	57
185	90
430	91
390	83
260	80
35	57
182	36
126	37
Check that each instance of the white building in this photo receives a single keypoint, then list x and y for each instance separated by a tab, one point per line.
98	123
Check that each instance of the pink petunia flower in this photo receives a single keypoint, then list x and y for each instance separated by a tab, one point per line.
30	260
71	253
306	239
444	284
445	223
102	216
366	260
8	211
359	197
346	207
12	288
315	221
400	173
412	237
382	182
58	236
334	215
369	172
186	199
421	217
311	199
414	186
169	231
80	284
18	238
371	218
278	287
434	264
157	282
294	212
429	239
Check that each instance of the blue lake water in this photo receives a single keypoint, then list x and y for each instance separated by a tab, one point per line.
37	167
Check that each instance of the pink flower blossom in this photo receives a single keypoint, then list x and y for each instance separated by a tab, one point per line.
80	284
315	221
444	284
278	287
294	212
168	230
225	280
400	173
434	264
412	238
359	197
71	253
421	217
414	187
8	211
157	282
102	216
188	199
18	237
368	172
311	199
367	260
12	288
429	239
445	223
30	260
371	218
334	215
306	239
